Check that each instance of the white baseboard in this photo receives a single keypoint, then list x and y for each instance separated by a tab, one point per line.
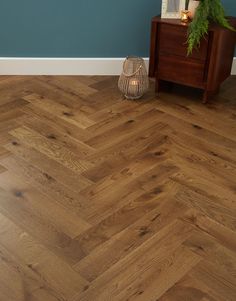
233	72
66	66
61	66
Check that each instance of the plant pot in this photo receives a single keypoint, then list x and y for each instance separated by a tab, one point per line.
192	6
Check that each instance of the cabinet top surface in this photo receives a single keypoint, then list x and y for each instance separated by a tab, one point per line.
177	22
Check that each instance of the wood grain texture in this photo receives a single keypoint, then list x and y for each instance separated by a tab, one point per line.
204	68
107	199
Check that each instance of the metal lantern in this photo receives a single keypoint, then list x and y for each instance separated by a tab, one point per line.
133	82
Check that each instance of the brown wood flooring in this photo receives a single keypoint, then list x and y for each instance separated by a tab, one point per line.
107	199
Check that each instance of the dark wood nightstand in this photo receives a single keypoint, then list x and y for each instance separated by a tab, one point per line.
206	68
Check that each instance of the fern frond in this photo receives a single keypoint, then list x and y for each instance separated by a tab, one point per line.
198	28
208	10
217	14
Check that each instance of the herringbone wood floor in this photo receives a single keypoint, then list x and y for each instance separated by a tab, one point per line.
107	199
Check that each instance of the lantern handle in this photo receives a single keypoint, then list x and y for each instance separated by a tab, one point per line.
132	74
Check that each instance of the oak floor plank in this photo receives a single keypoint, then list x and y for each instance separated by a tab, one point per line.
51	148
125	216
13	88
217	154
10	115
189	114
117	114
56	122
52	270
179	125
69	84
28	285
37	208
102	258
209	248
218	280
121	279
104	200
209	207
165	274
47	185
68	98
201	185
43	128
46	165
126	129
224	235
73	116
111	160
46	230
96	100
201	167
188	288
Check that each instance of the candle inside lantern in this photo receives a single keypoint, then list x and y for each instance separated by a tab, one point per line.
185	16
133	88
134	82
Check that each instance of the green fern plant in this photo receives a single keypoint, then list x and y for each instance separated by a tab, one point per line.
208	10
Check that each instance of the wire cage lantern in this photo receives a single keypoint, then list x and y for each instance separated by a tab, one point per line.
133	82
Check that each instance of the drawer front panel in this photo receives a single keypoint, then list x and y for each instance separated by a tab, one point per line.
172	68
173	40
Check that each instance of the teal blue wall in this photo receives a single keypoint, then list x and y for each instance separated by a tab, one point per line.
78	28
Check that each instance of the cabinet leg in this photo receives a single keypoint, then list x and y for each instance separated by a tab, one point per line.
207	95
158	85
163	85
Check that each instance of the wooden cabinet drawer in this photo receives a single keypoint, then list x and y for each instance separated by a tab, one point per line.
173	40
179	70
